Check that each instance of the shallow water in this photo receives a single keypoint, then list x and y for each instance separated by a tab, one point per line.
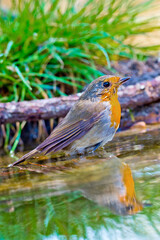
114	194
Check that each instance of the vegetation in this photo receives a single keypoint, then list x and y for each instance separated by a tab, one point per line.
50	49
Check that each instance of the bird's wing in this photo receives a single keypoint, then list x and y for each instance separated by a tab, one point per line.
69	130
64	135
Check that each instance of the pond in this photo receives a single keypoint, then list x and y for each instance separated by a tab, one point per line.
113	194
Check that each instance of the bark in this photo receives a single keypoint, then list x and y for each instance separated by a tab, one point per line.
34	110
130	97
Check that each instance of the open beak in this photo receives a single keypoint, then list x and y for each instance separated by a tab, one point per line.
123	80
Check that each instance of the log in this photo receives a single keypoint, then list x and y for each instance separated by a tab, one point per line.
34	110
140	94
131	96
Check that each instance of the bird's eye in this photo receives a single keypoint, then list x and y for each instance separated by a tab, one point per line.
106	84
129	208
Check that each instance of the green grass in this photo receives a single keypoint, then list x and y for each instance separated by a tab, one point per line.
49	50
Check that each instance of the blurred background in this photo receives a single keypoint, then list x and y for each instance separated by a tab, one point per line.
53	48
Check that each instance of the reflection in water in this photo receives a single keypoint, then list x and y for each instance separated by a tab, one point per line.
106	181
72	199
112	186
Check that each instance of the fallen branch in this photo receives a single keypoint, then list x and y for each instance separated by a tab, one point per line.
34	110
130	96
140	94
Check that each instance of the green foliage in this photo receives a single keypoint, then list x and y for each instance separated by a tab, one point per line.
50	49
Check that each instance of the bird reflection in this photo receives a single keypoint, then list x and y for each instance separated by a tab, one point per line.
102	178
113	186
106	181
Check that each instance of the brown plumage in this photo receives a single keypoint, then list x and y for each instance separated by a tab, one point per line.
91	122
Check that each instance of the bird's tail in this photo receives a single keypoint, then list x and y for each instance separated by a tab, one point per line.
26	156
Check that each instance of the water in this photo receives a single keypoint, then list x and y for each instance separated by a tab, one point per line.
114	194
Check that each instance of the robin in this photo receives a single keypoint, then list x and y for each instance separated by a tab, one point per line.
90	123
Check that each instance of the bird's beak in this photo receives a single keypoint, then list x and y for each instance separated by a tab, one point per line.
123	80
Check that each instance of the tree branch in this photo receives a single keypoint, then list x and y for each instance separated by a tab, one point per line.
130	96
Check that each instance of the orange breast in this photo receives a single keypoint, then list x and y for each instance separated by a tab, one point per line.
115	111
129	197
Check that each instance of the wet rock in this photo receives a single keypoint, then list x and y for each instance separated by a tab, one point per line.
139	125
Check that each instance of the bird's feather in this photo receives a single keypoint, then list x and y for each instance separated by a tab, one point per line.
63	135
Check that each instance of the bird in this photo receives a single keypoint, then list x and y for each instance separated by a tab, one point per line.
90	123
